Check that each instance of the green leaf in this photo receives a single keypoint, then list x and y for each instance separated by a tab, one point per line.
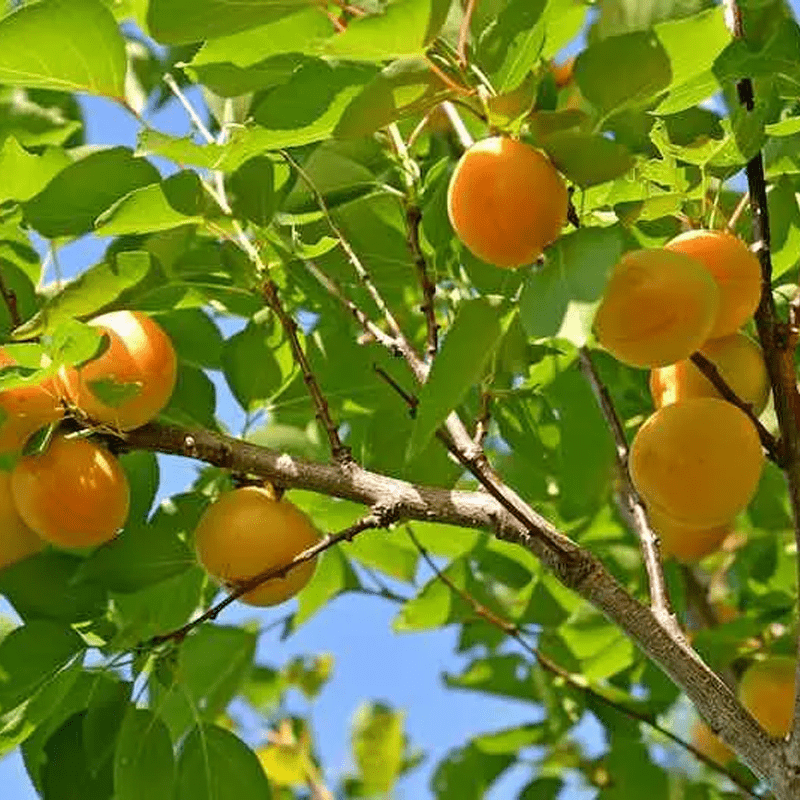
196	337
639	64
458	366
216	765
142	470
378	742
386	552
102	720
253	186
512	46
599	646
143	762
511	740
572	279
403	29
333	576
542	789
784	225
786	127
194	400
586	158
437	604
31	656
96	288
72	201
144	210
212	664
66	45
296	32
467	773
25	174
186	21
309	106
44	587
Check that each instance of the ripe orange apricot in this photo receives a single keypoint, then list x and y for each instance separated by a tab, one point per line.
74	494
17	540
697	462
686	543
709	744
767	692
735	269
25	409
658	308
130	382
506	201
247	532
739	360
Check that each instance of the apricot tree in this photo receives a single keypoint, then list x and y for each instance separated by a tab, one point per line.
443	434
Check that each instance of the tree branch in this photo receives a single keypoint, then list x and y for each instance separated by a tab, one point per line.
575	567
512	630
659	595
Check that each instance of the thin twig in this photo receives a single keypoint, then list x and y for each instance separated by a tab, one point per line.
710	371
483	419
463	32
738	211
659	595
10	299
512	630
340	452
460	129
369	522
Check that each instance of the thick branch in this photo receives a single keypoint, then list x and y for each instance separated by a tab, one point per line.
575	567
659	595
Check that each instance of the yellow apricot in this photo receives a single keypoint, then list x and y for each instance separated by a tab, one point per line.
738	359
247	532
658	308
735	269
131	381
767	692
686	543
17	540
697	462
506	201
709	744
74	494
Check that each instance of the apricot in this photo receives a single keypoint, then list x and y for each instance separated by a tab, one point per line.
686	543
506	201
709	744
132	380
735	269
697	462
74	494
247	532
562	73
767	692
738	359
658	308
17	540
25	409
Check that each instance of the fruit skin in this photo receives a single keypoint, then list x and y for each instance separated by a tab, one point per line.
26	409
697	462
686	543
506	201
709	744
735	269
739	360
767	692
74	494
140	358
247	532
658	308
17	540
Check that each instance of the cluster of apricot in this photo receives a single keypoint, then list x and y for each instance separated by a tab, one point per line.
75	494
697	460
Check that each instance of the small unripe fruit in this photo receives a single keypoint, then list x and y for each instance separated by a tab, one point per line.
131	381
735	269
697	462
739	361
658	308
246	533
767	692
506	201
17	540
74	494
